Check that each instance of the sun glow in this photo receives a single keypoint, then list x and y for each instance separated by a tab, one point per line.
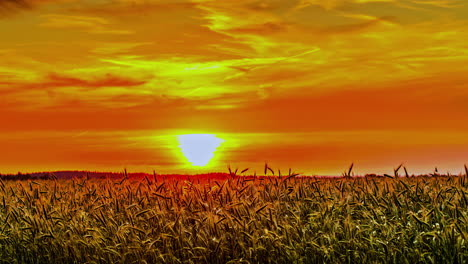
198	149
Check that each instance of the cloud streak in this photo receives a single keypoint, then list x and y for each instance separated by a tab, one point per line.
89	24
9	7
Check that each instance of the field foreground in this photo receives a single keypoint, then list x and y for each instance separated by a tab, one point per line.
236	220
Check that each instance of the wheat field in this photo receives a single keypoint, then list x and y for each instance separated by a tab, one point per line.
235	220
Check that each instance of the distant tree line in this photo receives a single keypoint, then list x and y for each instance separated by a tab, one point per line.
27	176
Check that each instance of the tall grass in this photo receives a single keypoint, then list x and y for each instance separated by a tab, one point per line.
238	220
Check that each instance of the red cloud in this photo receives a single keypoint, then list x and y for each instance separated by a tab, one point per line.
109	80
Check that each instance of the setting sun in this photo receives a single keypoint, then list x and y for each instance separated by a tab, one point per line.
198	149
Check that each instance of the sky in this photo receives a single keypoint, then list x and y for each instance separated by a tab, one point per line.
312	85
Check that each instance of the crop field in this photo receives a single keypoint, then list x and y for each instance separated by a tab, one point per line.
235	220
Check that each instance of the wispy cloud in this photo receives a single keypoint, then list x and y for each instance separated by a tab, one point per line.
58	89
11	7
55	80
89	24
441	3
8	7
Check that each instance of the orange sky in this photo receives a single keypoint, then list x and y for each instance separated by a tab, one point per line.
308	84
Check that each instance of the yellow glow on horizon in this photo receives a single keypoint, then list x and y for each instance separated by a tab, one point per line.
198	149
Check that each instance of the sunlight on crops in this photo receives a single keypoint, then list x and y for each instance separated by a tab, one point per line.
250	219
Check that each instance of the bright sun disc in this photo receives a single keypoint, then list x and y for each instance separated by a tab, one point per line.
198	148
